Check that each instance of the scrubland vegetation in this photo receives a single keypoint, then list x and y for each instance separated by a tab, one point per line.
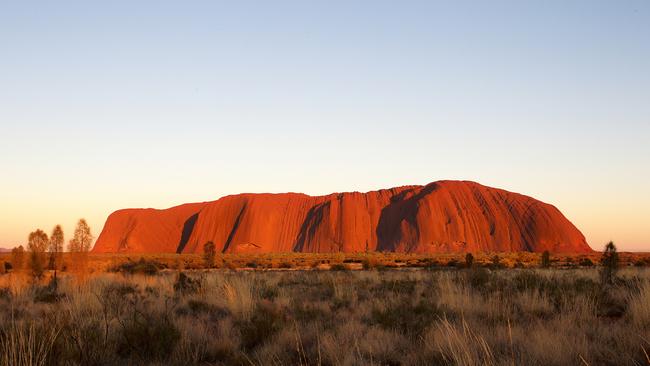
435	314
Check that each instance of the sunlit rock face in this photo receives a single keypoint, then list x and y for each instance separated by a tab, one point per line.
441	217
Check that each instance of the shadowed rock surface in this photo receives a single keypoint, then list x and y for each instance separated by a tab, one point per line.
444	216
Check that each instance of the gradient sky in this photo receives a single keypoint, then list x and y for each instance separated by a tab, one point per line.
115	104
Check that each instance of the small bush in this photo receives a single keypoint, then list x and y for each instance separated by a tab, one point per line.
406	317
338	267
209	254
5	293
195	308
546	259
143	266
186	285
496	263
469	260
609	261
367	264
478	278
266	321
586	262
48	293
150	337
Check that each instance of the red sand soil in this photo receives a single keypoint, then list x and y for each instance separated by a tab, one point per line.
441	217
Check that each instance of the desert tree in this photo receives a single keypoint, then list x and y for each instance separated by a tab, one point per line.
609	262
17	258
546	259
209	253
82	238
469	260
80	244
56	248
37	244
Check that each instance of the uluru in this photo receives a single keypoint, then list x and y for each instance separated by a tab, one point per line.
440	217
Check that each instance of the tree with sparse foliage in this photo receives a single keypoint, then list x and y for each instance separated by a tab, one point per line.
82	238
56	248
546	259
79	246
469	260
17	258
609	261
209	253
37	245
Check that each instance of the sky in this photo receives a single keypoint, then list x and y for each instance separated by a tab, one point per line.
116	104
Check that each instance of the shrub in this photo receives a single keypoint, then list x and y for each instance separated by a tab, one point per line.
546	259
496	262
478	278
186	285
143	266
150	337
266	321
195	308
17	258
469	260
285	265
209	253
338	267
609	261
367	264
586	262
48	293
5	293
406	317
641	263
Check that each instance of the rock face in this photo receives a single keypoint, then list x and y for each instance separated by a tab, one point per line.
444	216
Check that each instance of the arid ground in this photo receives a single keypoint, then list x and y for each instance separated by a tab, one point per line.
363	309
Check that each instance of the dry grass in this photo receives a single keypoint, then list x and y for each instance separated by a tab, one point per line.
445	316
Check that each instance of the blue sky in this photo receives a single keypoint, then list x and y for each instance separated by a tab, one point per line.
151	104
